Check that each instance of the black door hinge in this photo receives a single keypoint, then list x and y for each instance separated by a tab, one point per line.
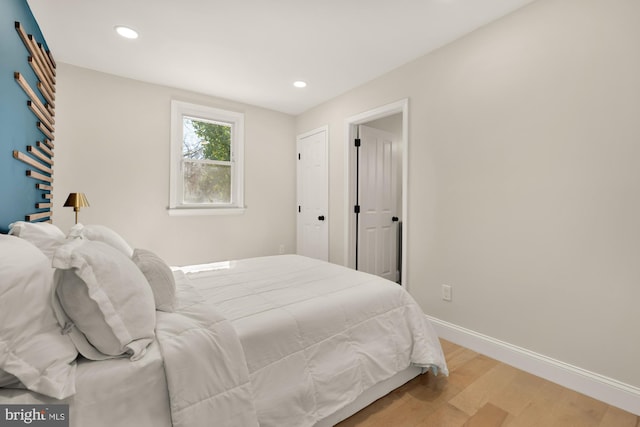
356	209
357	141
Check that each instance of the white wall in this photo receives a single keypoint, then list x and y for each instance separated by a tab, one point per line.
112	142
524	184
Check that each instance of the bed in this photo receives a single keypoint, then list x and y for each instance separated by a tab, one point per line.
271	341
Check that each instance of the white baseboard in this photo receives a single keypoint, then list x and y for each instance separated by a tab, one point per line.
598	386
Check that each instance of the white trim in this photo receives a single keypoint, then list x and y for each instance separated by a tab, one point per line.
324	128
204	211
402	107
179	109
605	389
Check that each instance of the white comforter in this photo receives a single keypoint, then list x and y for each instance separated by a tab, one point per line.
315	335
206	371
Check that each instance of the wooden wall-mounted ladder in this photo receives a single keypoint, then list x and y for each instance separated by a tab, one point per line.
39	157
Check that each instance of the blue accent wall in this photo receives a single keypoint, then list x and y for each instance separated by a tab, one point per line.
18	193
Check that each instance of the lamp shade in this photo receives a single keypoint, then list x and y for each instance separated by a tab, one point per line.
76	201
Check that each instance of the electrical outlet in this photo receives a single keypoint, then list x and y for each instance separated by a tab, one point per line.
446	293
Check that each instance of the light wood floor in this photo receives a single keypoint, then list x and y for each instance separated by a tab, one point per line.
482	392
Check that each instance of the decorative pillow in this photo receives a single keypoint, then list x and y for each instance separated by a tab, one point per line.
159	276
32	348
101	233
106	297
45	236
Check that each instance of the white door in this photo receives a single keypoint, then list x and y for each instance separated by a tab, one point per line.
313	195
378	219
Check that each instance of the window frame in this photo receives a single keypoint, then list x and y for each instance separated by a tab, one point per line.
180	110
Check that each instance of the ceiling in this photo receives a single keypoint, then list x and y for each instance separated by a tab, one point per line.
253	50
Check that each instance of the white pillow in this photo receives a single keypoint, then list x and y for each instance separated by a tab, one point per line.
45	236
32	347
101	233
106	297
159	276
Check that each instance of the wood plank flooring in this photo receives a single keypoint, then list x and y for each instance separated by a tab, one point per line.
482	392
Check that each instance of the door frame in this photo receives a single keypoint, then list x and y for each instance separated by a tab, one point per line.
351	123
299	138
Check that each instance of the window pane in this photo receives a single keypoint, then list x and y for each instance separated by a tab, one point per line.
206	183
206	140
207	159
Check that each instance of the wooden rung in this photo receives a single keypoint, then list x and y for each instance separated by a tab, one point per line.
37	52
43	205
22	33
49	144
34	98
50	67
39	154
28	41
50	92
38	175
48	118
44	148
47	93
35	66
41	116
39	215
50	58
50	110
31	162
47	196
44	187
42	56
42	62
47	77
42	128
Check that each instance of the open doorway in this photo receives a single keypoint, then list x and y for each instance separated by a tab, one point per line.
376	198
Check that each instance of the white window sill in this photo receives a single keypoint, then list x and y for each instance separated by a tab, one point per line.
204	211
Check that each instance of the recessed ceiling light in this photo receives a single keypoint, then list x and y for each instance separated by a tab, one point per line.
126	32
300	84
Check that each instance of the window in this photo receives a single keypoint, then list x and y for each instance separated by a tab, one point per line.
206	160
